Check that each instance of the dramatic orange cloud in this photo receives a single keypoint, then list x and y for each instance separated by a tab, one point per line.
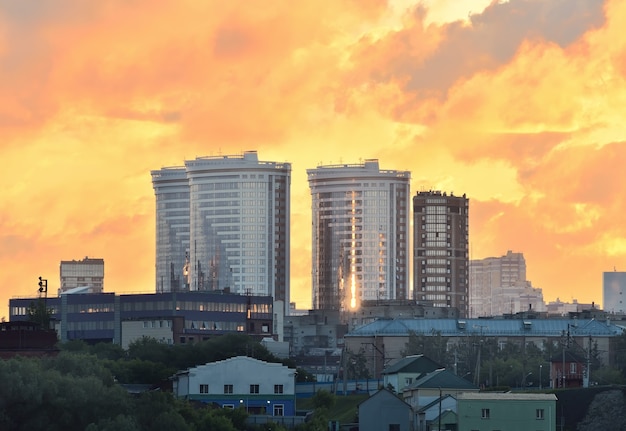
518	104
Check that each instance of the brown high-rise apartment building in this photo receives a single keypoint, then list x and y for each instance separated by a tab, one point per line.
441	250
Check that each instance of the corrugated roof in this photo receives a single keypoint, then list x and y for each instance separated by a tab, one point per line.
489	327
442	379
413	364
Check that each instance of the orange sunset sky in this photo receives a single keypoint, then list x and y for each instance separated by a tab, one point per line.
519	104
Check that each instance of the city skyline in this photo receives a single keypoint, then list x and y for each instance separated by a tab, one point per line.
515	103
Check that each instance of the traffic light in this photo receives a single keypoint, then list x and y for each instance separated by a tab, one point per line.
43	285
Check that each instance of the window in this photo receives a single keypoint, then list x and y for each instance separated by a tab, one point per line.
394	427
228	389
278	389
279	410
408	381
254	389
485	414
204	389
539	414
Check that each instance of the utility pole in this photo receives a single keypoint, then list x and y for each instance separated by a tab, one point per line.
439	424
456	359
382	354
480	348
563	365
588	382
477	373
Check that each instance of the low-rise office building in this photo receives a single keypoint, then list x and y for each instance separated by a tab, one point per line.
171	317
506	411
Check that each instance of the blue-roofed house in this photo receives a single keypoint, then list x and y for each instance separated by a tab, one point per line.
405	371
434	385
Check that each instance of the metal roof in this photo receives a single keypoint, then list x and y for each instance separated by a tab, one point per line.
442	379
489	327
413	364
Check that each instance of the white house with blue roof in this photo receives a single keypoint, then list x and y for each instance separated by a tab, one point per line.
405	371
262	388
435	385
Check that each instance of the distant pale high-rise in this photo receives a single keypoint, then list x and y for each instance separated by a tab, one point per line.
498	286
360	234
441	250
223	223
88	273
614	292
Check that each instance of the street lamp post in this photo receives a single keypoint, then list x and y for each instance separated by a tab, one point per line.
524	380
295	377
540	368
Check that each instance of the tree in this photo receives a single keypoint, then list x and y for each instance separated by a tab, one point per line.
606	411
433	346
150	349
79	365
35	395
150	405
323	399
108	351
608	376
119	423
356	365
213	421
40	314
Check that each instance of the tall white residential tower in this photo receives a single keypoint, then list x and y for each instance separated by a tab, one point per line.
223	224
360	242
